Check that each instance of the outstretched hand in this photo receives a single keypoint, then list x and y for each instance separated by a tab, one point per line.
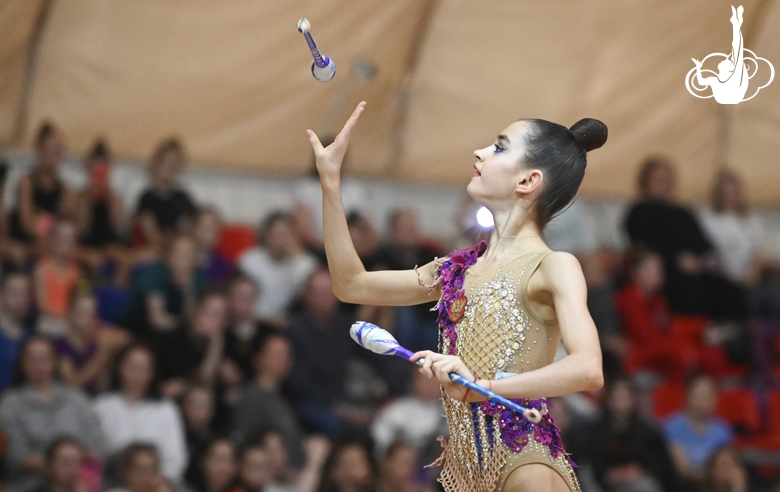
697	62
329	158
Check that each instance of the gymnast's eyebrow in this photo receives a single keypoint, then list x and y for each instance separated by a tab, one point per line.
503	138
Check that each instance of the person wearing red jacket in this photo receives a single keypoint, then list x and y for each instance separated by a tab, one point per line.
647	321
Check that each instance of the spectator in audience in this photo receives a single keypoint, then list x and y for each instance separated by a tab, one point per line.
405	249
193	351
262	404
281	475
735	232
404	246
738	237
695	433
647	321
219	467
15	303
42	196
317	449
279	267
348	469
64	461
399	470
603	310
87	348
197	408
415	419
570	231
245	333
164	208
307	212
134	414
100	219
140	469
217	268
365	239
254	470
693	285
625	451
322	352
56	278
3	178
37	410
166	291
726	472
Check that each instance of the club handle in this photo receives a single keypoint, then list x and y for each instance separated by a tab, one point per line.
532	414
315	52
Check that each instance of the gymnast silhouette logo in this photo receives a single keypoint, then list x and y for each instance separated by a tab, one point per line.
730	84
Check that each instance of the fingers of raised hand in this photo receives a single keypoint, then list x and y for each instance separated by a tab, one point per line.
343	136
314	140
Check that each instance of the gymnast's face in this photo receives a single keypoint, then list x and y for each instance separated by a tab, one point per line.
499	167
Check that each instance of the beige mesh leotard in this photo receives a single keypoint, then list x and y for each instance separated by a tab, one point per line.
500	332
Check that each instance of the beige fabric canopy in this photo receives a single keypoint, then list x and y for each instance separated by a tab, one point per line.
232	79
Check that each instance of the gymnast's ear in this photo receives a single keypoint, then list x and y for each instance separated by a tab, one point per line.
529	180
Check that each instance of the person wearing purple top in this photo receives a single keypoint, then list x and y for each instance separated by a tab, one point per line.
216	267
87	349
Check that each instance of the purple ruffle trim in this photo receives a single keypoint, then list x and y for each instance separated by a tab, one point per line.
515	429
451	275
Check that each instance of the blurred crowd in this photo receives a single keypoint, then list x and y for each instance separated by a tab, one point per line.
160	349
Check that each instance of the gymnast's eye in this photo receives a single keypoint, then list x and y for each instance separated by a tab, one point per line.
498	148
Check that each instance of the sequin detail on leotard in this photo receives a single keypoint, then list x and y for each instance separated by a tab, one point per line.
497	333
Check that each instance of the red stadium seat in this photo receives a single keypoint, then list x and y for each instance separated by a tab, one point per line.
736	406
234	240
739	408
769	438
667	399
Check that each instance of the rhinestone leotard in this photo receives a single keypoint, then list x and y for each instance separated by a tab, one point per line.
500	332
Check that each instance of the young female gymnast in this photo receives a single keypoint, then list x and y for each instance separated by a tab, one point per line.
503	307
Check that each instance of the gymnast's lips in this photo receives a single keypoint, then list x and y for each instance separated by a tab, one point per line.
476	173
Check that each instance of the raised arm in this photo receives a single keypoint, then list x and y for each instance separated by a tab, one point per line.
351	282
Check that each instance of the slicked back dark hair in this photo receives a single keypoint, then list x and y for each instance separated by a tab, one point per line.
560	153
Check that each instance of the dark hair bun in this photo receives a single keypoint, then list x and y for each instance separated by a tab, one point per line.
590	133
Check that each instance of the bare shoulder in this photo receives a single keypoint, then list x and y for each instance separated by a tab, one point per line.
560	259
561	271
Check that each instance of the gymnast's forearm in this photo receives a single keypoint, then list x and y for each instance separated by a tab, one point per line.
343	261
575	372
